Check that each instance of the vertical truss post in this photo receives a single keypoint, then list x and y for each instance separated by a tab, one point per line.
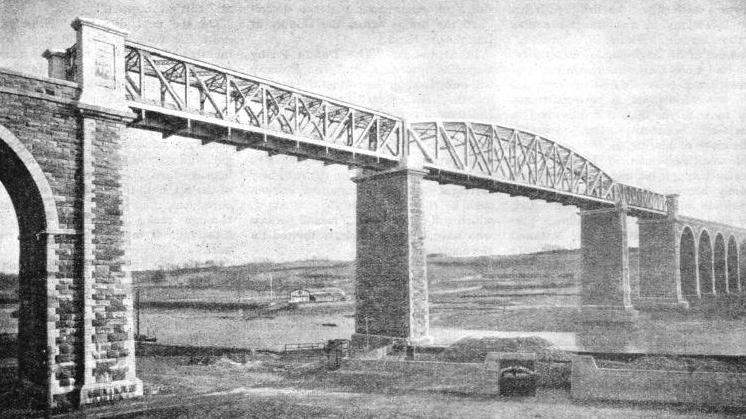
296	114
491	148
377	137
265	109
228	111
404	142
437	143
466	146
514	153
536	160
187	81
351	128
141	74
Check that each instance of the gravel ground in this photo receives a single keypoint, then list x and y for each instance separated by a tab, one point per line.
269	387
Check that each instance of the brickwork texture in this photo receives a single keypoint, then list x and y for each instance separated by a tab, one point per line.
75	332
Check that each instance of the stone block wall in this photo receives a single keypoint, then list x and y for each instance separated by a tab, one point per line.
41	115
108	308
604	259
659	260
391	278
75	326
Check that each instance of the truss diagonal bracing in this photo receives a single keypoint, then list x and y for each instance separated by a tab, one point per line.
490	152
178	95
176	86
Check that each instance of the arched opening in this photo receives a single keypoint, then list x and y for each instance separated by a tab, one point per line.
705	264
732	263
742	266
24	183
688	264
719	265
8	289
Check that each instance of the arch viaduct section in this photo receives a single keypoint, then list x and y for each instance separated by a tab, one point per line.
60	161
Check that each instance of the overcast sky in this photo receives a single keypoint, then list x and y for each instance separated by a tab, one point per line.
653	92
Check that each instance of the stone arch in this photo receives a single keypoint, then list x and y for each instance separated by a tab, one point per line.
36	214
15	146
732	265
719	265
688	264
704	264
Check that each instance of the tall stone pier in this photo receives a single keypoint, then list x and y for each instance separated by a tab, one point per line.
605	294
391	279
660	258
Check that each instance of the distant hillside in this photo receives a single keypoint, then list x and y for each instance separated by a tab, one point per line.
552	264
284	276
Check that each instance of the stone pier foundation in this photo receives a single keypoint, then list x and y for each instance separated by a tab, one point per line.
605	289
390	277
660	262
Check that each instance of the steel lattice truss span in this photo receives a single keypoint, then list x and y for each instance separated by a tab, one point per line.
167	84
178	95
521	158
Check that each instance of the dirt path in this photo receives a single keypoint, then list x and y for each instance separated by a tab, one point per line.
289	403
455	290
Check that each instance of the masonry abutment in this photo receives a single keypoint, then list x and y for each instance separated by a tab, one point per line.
85	352
390	278
605	294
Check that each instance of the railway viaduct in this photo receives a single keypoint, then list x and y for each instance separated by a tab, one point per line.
61	162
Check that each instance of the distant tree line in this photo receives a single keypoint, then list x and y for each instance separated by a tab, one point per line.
8	281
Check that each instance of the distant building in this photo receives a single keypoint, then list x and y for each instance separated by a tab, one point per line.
316	295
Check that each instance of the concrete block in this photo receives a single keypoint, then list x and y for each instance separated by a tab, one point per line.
700	388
